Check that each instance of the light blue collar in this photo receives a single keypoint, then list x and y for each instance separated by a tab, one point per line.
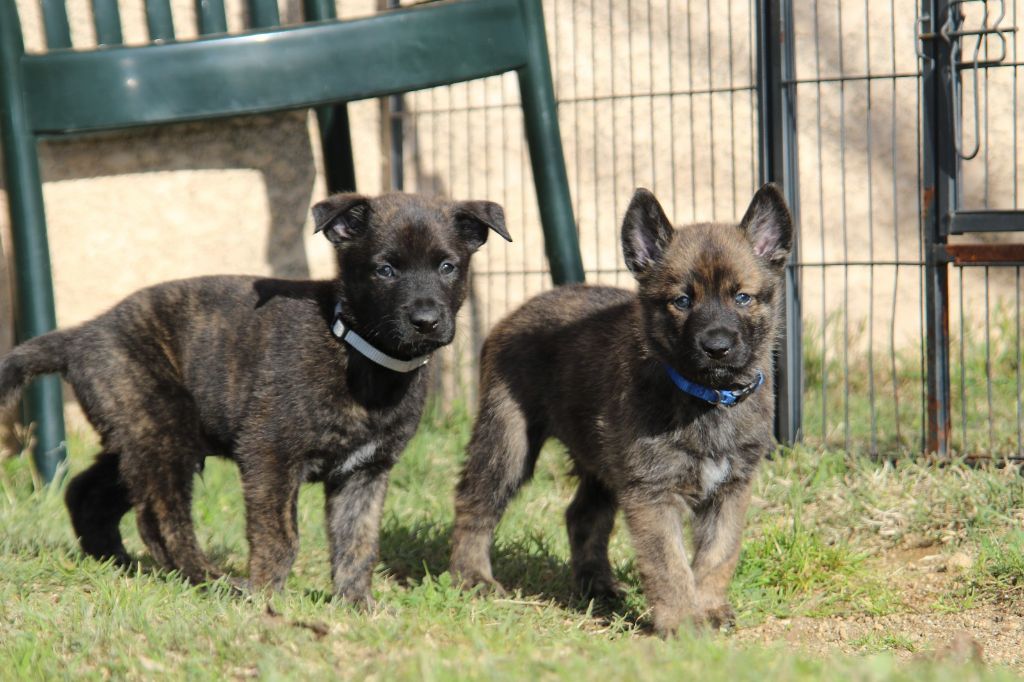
712	395
339	329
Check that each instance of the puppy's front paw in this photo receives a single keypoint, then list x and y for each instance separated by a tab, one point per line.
668	623
720	617
600	587
239	586
469	579
362	602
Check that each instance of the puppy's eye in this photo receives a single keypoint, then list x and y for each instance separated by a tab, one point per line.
683	302
446	268
385	271
743	300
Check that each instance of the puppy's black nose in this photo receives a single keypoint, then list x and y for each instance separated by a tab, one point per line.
425	318
717	344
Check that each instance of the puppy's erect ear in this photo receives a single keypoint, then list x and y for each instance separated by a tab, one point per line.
473	220
342	217
769	225
646	232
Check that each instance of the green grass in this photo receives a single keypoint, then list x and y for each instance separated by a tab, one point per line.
885	641
818	525
791	570
998	572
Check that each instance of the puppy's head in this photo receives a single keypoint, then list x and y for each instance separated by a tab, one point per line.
403	262
711	293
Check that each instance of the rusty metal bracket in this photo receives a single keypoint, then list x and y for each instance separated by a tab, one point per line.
964	255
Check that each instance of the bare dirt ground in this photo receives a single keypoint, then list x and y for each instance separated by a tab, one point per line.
929	625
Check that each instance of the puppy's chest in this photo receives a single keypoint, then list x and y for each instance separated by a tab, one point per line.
699	477
358	454
356	441
693	463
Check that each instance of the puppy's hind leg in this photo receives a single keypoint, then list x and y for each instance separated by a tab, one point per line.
149	531
161	480
501	455
590	519
96	500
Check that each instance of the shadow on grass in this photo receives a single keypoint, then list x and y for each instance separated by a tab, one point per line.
411	552
523	564
222	557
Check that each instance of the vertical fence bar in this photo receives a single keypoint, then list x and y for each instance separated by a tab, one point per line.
844	226
1017	354
895	231
870	133
822	242
963	364
938	196
778	161
988	366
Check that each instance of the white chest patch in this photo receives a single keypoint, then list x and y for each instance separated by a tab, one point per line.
712	473
359	457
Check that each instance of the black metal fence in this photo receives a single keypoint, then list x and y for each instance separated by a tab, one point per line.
893	127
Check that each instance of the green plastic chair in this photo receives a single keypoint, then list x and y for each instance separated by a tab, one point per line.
323	64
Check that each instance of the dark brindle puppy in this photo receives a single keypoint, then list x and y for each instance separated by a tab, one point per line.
626	381
265	372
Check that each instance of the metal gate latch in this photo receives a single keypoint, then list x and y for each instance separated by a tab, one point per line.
952	31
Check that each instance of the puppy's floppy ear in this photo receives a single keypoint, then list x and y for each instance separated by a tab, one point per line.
769	225
342	217
646	232
473	220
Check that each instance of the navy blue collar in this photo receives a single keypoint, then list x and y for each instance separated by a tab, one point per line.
712	395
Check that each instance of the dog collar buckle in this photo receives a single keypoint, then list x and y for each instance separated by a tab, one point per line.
373	354
742	394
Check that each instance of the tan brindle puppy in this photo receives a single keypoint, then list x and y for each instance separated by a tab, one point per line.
663	397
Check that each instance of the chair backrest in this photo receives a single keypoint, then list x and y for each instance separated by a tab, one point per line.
69	90
210	19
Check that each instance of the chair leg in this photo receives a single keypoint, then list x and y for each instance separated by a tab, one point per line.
545	141
35	311
336	142
42	403
44	406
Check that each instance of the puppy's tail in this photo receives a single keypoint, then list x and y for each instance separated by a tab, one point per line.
40	355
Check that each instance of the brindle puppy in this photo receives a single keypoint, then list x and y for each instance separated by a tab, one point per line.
625	380
267	372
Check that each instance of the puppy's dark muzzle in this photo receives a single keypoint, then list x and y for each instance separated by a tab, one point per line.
717	345
428	326
425	320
